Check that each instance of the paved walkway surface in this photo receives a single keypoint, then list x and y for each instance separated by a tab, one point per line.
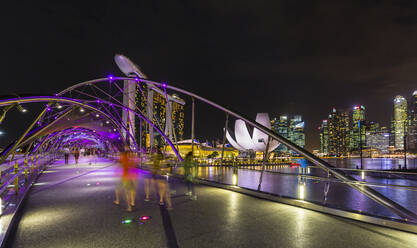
71	206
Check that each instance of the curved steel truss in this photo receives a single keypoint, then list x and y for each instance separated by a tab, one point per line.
108	103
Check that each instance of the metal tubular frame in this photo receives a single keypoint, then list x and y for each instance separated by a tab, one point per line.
81	103
372	194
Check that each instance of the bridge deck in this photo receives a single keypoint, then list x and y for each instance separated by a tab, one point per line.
71	206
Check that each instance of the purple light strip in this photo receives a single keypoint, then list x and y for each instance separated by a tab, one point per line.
75	101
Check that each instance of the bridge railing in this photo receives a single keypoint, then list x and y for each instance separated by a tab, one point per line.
315	186
16	178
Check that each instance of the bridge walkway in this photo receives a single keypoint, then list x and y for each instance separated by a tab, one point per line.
72	206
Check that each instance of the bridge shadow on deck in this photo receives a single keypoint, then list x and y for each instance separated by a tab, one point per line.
71	206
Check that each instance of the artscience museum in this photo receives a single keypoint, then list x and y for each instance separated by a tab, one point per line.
244	140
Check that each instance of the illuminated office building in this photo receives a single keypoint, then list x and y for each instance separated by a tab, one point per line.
338	141
412	131
400	121
297	134
159	109
324	137
373	126
291	129
378	139
357	128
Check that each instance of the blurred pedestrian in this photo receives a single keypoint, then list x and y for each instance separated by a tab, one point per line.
189	175
66	154
128	179
156	177
76	154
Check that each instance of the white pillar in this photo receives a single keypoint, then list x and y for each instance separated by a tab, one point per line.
128	117
150	115
168	120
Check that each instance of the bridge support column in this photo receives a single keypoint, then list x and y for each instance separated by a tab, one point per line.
266	155
224	137
192	125
16	180
31	160
26	169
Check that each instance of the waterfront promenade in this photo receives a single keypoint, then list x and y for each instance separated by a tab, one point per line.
72	206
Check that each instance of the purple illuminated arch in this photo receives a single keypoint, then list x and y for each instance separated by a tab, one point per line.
34	99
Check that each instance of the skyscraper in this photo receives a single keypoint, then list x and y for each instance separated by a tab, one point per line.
357	130
291	129
159	115
400	121
297	135
324	137
412	131
338	125
378	139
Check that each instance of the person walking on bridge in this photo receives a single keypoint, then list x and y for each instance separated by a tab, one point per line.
189	174
76	154
157	173
66	154
128	181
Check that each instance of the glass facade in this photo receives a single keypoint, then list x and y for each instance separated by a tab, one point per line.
357	130
400	121
412	131
378	139
291	129
324	137
159	111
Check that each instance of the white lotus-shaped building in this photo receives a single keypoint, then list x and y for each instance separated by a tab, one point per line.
257	142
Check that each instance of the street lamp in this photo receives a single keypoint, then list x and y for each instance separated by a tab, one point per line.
21	108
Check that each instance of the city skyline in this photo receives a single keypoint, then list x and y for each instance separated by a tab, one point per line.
352	129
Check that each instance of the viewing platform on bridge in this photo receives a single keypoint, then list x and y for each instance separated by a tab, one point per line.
72	206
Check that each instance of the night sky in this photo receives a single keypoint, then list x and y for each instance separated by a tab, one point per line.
294	57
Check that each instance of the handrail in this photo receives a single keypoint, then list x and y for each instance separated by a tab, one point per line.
372	194
8	182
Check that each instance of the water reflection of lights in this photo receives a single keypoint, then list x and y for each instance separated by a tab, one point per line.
301	191
308	170
234	179
363	175
300	227
233	207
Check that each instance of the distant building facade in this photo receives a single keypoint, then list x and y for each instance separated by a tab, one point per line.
378	139
291	128
334	134
357	128
159	110
324	137
412	130
400	121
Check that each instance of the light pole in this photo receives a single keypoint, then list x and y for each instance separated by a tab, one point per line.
264	161
192	125
360	141
224	137
405	145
